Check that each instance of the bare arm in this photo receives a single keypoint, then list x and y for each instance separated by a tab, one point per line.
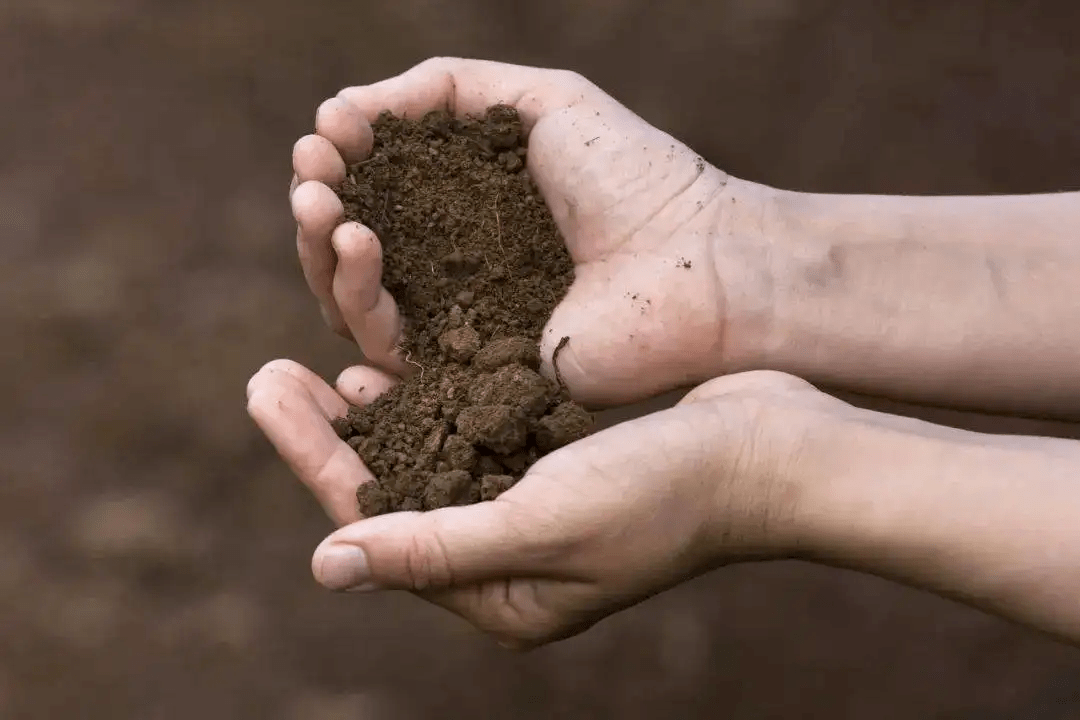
991	521
958	301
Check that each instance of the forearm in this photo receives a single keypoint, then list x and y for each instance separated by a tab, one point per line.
991	521
958	301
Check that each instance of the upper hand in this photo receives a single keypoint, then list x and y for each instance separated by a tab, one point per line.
662	296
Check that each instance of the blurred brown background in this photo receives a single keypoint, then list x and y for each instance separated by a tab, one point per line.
154	552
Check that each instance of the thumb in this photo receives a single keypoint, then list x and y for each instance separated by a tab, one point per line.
432	550
608	343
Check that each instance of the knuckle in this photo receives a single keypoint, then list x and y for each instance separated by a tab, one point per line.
572	80
426	563
441	62
437	65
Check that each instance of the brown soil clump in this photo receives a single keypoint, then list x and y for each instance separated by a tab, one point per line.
476	264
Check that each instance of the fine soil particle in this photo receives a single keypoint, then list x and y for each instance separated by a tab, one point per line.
476	264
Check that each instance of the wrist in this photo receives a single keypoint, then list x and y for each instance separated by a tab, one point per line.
821	290
747	248
772	443
825	481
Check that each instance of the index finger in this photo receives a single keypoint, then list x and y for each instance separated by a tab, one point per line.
468	87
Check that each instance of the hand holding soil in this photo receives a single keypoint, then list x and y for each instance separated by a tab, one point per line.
593	527
642	216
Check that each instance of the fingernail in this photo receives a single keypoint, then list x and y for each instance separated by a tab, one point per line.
345	567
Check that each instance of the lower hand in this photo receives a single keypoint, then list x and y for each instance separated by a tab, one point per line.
592	528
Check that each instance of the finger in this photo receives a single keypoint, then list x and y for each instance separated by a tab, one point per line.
344	125
753	381
439	549
468	87
315	158
318	211
360	385
296	424
368	310
329	402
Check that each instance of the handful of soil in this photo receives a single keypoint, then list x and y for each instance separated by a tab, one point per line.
476	264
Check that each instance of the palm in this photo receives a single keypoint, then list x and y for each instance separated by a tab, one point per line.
638	211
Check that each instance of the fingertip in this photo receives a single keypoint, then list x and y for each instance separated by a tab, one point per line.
361	384
314	204
316	158
339	566
343	124
356	243
258	385
274	395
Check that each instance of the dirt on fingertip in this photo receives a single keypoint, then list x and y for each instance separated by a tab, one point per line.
476	264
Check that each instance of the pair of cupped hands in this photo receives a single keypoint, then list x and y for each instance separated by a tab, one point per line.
625	513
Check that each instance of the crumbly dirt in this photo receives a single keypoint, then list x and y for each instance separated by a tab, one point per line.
476	263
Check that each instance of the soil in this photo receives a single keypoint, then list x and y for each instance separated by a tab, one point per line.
476	263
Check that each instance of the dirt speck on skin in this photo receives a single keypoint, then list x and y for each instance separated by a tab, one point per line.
476	264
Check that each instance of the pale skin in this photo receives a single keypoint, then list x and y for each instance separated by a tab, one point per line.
958	301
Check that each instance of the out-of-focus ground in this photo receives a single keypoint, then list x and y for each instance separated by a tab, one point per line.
154	552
